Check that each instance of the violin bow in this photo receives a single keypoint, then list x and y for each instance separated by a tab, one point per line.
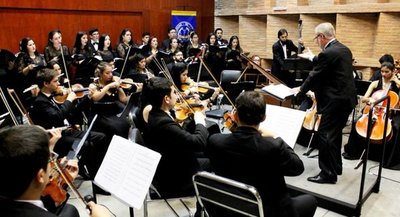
125	61
20	106
179	94
219	85
268	75
65	67
3	97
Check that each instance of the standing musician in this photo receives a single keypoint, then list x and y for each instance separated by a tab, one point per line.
105	50
94	39
220	40
81	48
261	161
214	56
125	41
24	157
232	55
283	49
52	52
107	96
48	114
27	63
177	146
333	84
356	145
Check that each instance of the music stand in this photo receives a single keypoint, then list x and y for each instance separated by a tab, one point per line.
361	86
299	66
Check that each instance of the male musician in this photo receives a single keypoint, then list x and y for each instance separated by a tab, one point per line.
332	82
145	39
177	146
48	114
221	41
94	39
177	58
171	34
283	49
249	157
24	159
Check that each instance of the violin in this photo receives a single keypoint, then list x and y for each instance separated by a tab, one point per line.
185	110
199	87
61	93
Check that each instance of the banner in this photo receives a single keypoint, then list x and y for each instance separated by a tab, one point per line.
184	23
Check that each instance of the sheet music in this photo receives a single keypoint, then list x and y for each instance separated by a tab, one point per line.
284	122
127	171
280	91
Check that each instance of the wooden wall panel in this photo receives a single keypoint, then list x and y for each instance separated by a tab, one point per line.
19	18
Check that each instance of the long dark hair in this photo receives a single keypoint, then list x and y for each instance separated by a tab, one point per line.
78	43
102	39
176	72
23	45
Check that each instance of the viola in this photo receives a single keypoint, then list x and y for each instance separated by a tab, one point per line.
229	121
186	110
56	188
379	118
200	87
61	93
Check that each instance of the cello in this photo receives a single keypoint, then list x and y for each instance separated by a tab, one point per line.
378	117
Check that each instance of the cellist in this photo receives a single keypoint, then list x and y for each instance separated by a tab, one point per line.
355	146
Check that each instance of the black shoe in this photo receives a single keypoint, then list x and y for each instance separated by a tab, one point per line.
83	172
347	156
322	180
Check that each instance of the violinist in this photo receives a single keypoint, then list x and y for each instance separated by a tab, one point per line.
108	100
48	114
261	161
356	145
24	158
177	146
188	87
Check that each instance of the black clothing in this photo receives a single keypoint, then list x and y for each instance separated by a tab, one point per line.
262	162
333	84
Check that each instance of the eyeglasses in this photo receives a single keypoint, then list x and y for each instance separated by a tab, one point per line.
318	35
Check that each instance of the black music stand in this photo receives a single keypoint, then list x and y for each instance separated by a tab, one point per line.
300	67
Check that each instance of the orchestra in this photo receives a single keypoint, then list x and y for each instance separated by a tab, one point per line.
66	88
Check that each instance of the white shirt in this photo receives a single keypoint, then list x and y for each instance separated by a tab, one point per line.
37	203
284	50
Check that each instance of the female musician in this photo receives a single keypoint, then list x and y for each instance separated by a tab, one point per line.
125	40
62	79
141	73
180	77
81	48
193	43
27	63
232	55
150	51
355	145
107	96
173	45
105	49
52	51
214	56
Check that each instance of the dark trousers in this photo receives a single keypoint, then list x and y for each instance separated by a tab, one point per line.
330	142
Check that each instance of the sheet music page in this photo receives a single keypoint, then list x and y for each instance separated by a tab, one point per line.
284	122
127	171
279	90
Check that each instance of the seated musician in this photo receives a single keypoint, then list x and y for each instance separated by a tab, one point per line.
140	72
356	145
48	114
24	158
178	163
108	101
188	87
261	161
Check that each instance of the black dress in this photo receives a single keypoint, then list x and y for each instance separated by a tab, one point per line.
107	109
